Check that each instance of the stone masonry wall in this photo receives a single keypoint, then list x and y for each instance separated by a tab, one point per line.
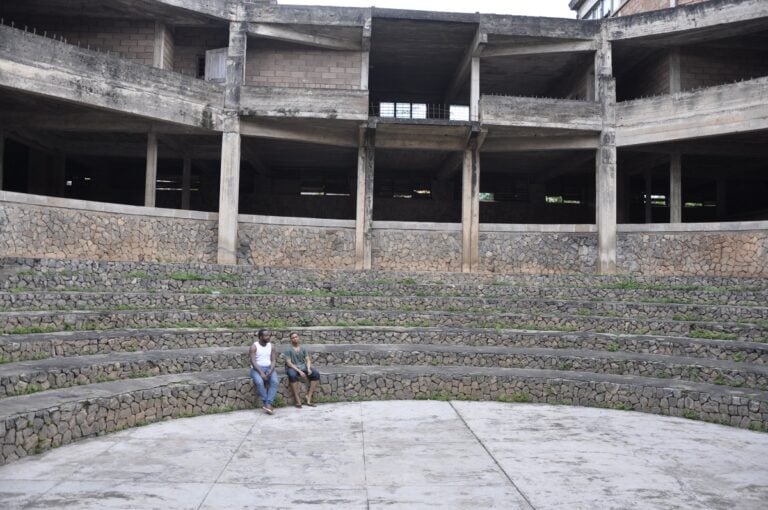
538	252
53	232
278	64
692	253
296	246
416	250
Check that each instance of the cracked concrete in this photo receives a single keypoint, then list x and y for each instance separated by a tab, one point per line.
404	454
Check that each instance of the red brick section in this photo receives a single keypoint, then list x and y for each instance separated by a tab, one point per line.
637	6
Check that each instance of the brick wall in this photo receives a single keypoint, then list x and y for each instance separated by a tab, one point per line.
278	64
649	78
191	43
638	6
131	39
708	67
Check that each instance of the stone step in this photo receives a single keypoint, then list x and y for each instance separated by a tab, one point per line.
65	273
32	376
37	422
128	300
76	343
21	322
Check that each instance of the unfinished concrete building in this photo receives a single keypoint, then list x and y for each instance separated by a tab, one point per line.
254	133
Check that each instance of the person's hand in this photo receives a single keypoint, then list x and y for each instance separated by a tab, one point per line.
265	376
302	374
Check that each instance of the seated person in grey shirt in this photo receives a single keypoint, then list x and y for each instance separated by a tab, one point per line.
298	364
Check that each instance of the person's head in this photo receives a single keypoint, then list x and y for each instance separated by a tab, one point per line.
264	335
294	338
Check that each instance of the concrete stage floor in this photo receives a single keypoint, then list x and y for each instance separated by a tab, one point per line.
409	455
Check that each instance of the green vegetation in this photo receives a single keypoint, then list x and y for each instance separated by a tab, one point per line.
738	357
27	390
408	281
520	398
685	317
136	274
185	276
712	335
690	414
25	272
29	330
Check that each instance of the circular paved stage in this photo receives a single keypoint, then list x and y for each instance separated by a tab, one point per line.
410	455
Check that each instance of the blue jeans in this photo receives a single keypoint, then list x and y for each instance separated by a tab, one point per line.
267	394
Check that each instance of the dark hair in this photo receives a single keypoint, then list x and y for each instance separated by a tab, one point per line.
292	333
263	332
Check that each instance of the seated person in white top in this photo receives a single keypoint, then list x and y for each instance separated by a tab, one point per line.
263	359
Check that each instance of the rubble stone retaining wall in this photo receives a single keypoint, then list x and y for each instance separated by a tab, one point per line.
739	249
38	226
403	246
39	430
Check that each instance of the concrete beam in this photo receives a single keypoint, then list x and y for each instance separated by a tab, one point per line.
302	35
332	134
464	71
37	65
150	180
513	50
526	26
726	109
307	15
94	122
701	17
364	205
229	193
403	135
286	102
500	143
540	113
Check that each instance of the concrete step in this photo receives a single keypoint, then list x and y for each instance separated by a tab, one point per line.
145	301
21	322
39	375
34	423
76	343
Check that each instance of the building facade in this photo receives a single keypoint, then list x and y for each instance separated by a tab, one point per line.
599	9
254	133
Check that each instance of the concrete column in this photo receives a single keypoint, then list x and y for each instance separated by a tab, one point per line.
238	44
150	182
470	209
365	54
158	59
474	96
229	191
364	210
605	188
676	188
675	83
186	182
2	157
648	193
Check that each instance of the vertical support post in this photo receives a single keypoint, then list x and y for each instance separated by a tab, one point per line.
606	159
364	211
229	191
675	79
470	208
236	54
648	194
676	188
365	53
158	59
186	182
150	182
474	95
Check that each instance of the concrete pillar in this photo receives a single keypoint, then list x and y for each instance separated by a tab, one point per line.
675	83
676	188
238	44
470	209
648	192
229	191
365	54
605	188
150	183
474	96
364	210
186	182
158	59
2	157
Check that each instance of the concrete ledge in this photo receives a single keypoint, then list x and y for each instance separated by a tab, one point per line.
297	222
719	227
103	207
538	228
413	225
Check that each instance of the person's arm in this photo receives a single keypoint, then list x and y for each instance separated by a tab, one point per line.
273	360
308	362
292	365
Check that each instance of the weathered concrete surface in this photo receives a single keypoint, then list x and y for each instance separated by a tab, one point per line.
433	455
540	113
